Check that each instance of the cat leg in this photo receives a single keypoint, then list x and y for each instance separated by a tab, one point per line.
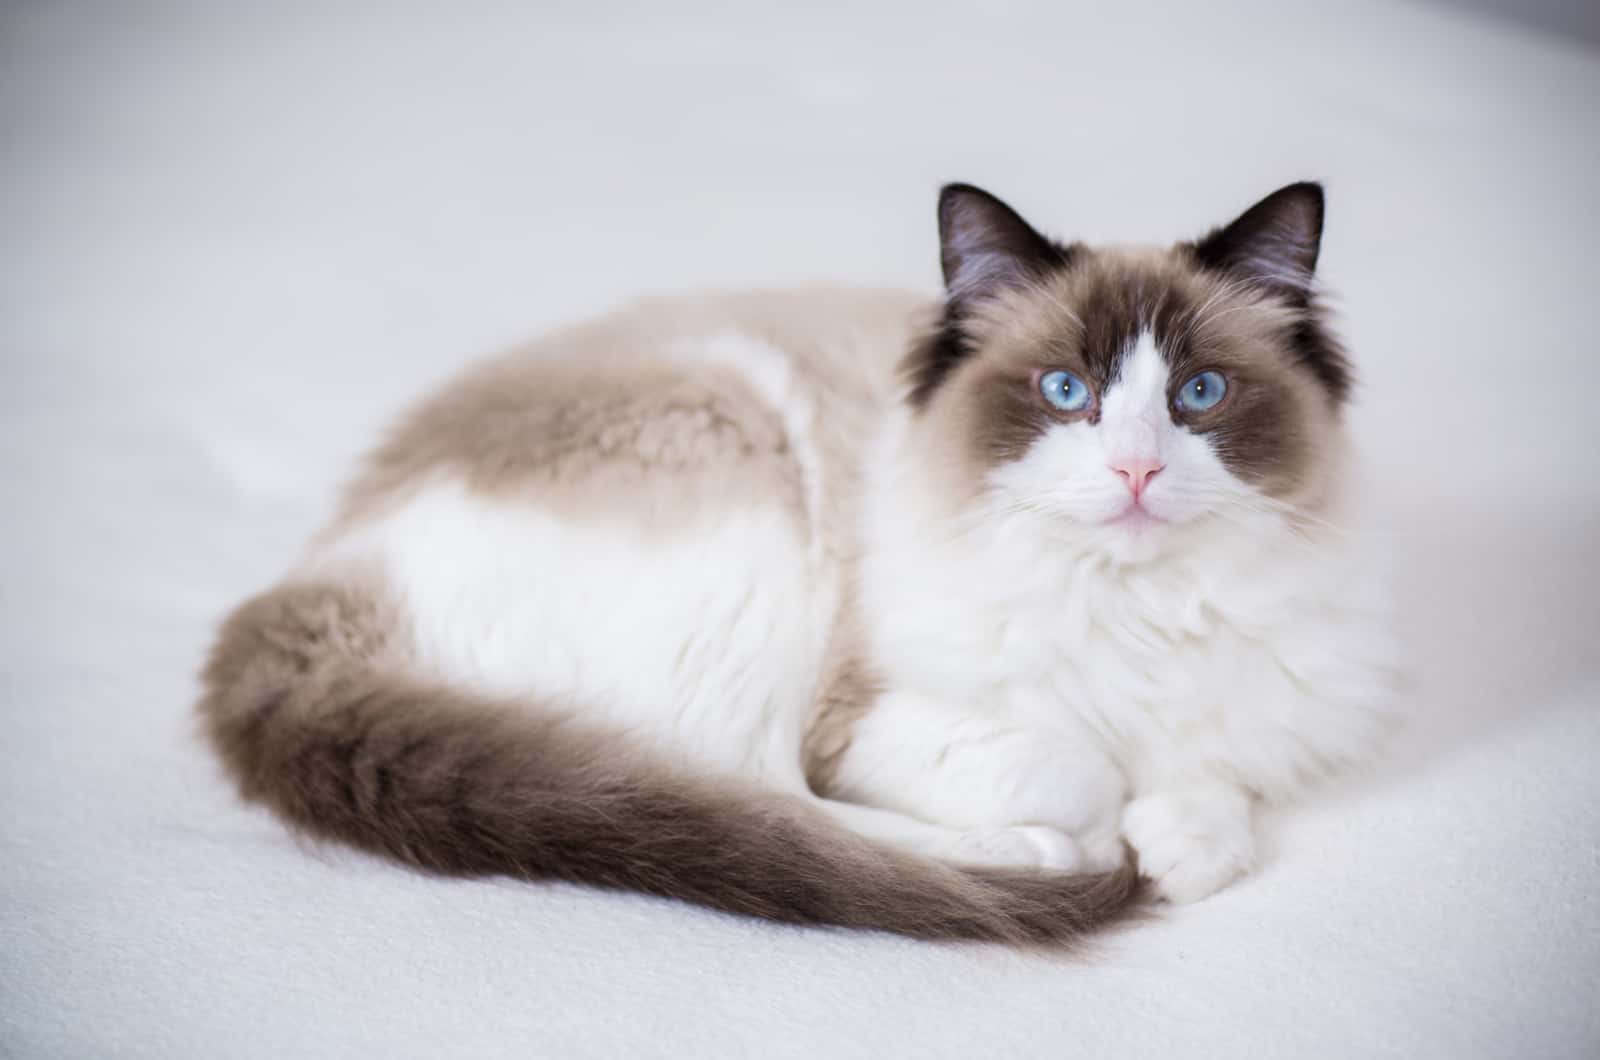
978	772
1194	837
1027	846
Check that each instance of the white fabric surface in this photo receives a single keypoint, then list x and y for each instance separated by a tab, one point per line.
237	240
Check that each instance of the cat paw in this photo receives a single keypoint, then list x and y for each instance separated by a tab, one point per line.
1190	845
1027	846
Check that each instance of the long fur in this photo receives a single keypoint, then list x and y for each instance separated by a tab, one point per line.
704	599
301	711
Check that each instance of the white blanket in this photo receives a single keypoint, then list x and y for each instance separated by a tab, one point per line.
236	240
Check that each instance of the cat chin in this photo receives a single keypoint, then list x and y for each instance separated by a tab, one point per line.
1146	541
1139	536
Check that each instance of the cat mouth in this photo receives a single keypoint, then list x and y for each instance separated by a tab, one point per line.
1135	517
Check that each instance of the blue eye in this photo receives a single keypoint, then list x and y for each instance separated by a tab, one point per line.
1064	391
1202	392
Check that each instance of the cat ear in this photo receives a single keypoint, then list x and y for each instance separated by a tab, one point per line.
985	246
1273	244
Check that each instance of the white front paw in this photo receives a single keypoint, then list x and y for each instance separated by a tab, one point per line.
1192	844
1027	846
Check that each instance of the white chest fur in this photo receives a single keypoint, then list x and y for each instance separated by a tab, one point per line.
1251	653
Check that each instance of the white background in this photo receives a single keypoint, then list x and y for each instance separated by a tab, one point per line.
236	239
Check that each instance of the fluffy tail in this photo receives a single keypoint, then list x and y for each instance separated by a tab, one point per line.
310	723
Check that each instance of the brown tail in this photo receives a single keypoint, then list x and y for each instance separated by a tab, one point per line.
302	714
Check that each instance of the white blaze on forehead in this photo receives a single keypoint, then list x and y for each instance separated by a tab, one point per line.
1134	421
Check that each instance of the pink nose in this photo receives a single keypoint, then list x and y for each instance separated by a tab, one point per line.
1137	472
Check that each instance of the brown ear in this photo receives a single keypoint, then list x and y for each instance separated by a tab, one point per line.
1274	244
985	245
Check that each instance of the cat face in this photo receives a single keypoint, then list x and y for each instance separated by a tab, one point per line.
1134	392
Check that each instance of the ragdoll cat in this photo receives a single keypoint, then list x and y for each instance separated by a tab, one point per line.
844	607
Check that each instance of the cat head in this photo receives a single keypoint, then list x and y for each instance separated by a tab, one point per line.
1133	392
